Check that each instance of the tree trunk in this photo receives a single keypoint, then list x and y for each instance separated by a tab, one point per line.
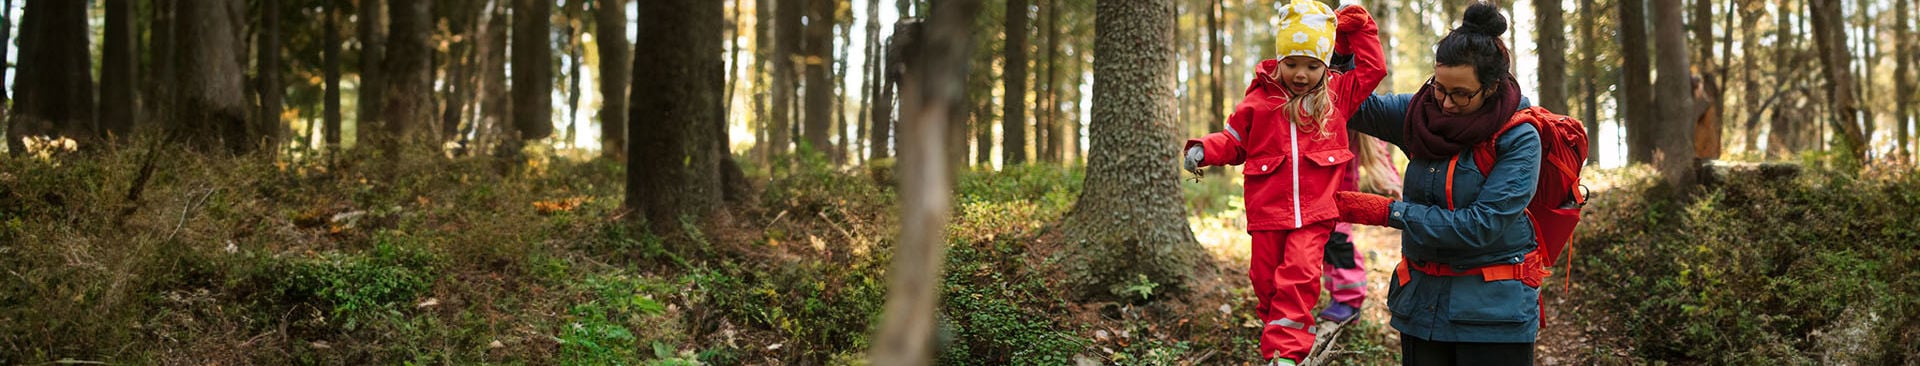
786	49
1129	222
1055	137
117	65
1706	104
6	38
1217	116
1785	132
532	73
1013	119
496	102
933	92
870	78
843	151
1553	55
763	44
819	44
1038	74
54	91
406	109
462	66
980	95
1076	124
575	52
1869	35
1590	77
1830	38
1749	56
268	72
157	84
210	109
330	62
1902	79
1674	137
614	62
673	170
373	49
1636	89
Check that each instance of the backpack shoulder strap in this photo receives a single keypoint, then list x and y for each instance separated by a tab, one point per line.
1483	153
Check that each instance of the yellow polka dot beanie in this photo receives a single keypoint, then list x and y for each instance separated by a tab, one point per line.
1306	29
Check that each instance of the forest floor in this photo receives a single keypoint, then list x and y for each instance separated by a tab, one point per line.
435	261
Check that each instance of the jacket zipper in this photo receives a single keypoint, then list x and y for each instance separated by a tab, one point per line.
1293	140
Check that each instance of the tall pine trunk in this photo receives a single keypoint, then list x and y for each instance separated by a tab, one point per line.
1902	79
1129	223
373	49
576	50
1708	111
786	82
268	74
330	62
673	167
1749	57
1553	55
1217	112
870	67
819	106
1674	154
532	74
843	151
611	24
117	67
1590	78
1830	39
209	107
53	94
157	84
406	110
1636	88
495	112
1785	131
1013	119
1055	136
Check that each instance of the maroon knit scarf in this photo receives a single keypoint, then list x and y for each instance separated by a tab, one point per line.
1434	135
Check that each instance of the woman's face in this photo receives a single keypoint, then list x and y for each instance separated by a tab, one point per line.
1300	74
1458	89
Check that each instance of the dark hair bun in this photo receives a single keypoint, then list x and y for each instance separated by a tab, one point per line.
1483	18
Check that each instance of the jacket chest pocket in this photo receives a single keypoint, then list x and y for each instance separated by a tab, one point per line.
1330	157
1264	166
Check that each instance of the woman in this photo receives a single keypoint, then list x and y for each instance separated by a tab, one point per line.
1443	316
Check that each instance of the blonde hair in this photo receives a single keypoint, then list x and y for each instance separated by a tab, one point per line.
1316	106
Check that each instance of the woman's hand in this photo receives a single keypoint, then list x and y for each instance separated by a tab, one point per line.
1363	208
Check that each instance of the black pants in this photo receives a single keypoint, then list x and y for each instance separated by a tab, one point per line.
1420	352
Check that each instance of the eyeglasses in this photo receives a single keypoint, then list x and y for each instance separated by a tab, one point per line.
1458	98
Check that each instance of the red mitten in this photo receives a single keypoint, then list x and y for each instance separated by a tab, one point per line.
1350	19
1363	208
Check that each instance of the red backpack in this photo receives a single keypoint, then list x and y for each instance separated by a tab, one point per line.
1556	204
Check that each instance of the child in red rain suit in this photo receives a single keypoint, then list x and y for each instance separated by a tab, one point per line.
1290	133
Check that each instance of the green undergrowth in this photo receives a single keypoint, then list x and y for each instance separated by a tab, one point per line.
1813	269
367	259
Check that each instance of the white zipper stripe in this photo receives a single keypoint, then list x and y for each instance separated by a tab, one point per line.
1293	139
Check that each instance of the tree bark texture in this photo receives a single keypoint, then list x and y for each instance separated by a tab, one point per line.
532	70
673	165
1130	221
